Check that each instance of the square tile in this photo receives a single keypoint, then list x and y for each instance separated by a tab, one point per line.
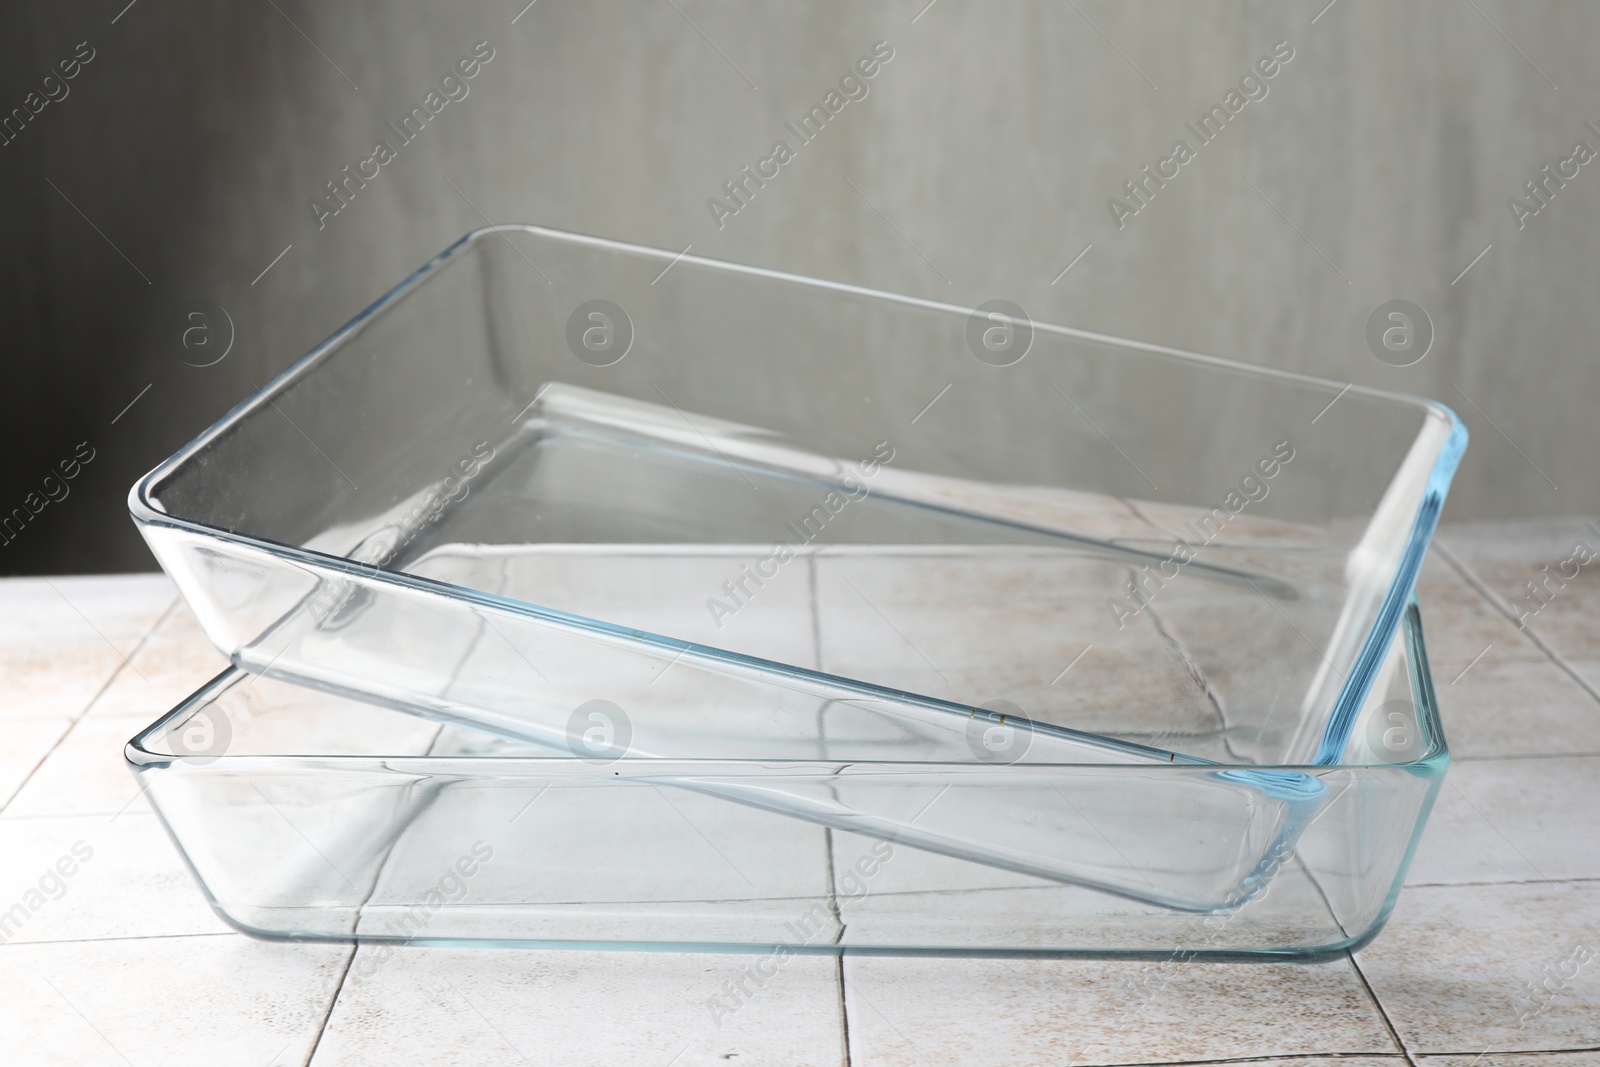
174	660
1501	967
119	609
85	877
1590	1058
1566	619
1513	821
1005	1012
1531	540
1536	567
1498	708
28	742
1589	671
447	1006
210	1001
1459	622
54	680
62	639
983	625
717	597
86	774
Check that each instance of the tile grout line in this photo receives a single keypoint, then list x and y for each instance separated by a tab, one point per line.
1196	674
838	970
1290	1056
333	1002
1487	885
827	832
1454	759
1270	1058
1517	1052
1500	605
125	937
1383	1013
18	820
74	720
844	1007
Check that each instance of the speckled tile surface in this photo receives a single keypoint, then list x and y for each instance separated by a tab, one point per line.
205	1001
1513	820
1492	958
1498	967
461	1007
1002	1012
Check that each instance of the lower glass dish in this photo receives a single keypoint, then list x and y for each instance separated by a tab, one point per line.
312	816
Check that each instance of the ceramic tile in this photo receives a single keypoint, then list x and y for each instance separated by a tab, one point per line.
84	877
444	1006
599	842
174	661
1537	568
61	639
1396	1060
691	595
972	1012
1460	968
1459	622
86	774
1513	820
120	609
1561	612
997	626
210	1001
1534	540
54	679
1590	1058
1588	670
28	742
1493	708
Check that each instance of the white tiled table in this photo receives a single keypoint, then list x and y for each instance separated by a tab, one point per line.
121	962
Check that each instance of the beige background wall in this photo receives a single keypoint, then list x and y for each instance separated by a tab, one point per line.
1377	167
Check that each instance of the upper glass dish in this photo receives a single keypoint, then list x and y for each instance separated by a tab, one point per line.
761	515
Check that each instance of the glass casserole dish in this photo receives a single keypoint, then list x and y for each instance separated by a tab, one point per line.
309	816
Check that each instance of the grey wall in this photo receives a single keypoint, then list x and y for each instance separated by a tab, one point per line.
981	162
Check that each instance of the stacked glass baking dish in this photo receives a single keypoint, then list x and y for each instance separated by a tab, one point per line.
586	594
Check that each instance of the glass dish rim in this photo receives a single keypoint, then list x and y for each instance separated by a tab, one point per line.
138	752
1340	718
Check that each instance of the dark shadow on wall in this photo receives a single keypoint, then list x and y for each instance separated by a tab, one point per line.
115	139
140	203
147	206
